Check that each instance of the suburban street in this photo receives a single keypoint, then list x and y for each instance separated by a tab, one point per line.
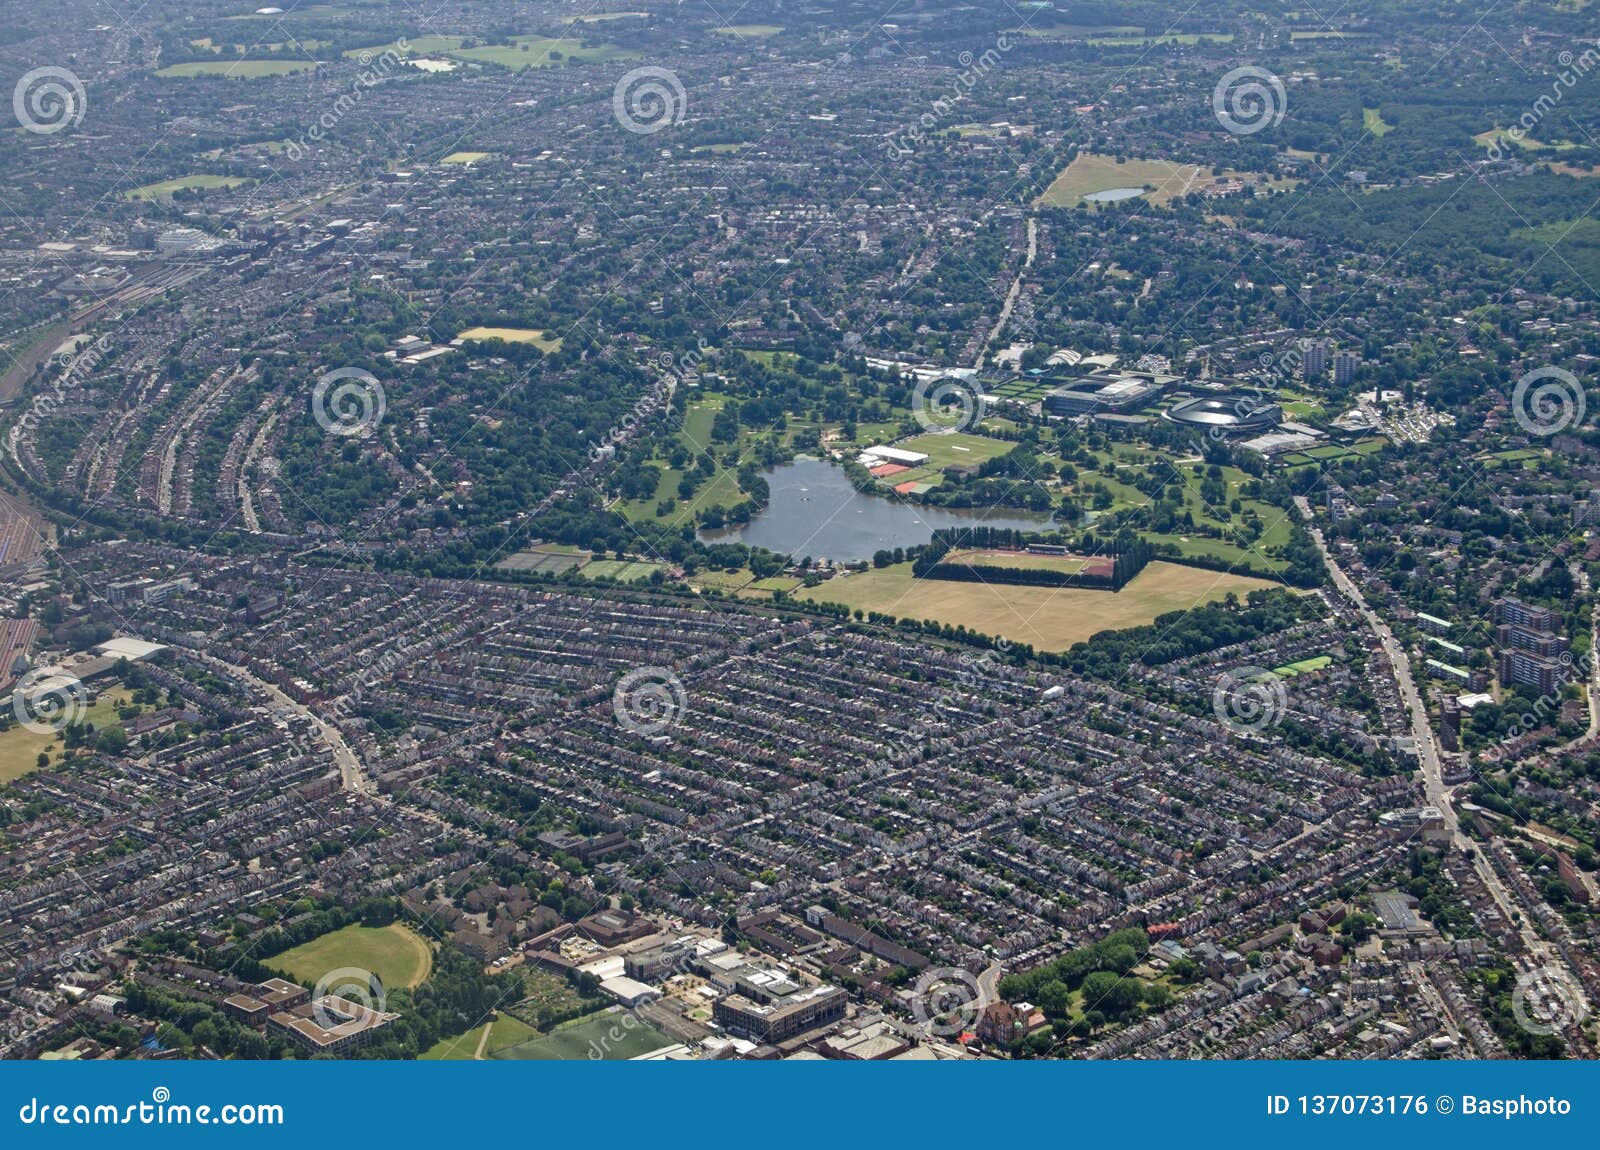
1429	762
351	775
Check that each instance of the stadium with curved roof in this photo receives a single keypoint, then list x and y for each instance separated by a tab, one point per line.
1230	414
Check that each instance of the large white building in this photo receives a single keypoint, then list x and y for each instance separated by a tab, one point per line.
877	456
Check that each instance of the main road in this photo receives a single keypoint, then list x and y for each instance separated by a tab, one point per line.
1438	795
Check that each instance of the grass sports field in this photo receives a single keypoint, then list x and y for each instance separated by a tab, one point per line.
1049	618
622	570
946	449
1304	666
1506	139
543	340
165	188
397	955
1168	38
1091	172
1066	564
1332	451
414	46
20	747
610	1036
236	69
539	52
522	52
551	558
504	1031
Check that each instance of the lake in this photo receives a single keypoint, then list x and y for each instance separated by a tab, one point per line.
815	511
1112	195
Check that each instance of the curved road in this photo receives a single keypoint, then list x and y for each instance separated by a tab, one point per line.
351	775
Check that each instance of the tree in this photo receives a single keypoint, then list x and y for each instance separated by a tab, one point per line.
1111	993
1055	999
1358	927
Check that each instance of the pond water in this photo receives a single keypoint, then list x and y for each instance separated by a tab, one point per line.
1112	195
815	511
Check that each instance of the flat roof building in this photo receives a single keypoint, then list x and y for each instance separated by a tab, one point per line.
893	455
331	1024
781	1020
1102	393
630	992
1445	670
